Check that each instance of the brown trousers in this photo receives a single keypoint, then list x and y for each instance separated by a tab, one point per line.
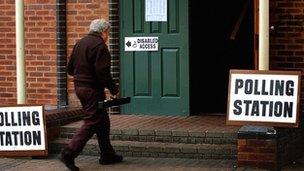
95	121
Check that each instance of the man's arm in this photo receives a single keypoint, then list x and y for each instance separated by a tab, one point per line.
70	66
103	69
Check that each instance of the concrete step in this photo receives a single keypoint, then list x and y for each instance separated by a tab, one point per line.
156	149
165	136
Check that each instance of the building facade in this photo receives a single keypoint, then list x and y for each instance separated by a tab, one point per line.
199	43
52	27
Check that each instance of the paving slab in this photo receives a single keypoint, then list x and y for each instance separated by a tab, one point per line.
90	163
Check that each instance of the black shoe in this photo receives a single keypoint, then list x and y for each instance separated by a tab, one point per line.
68	161
110	159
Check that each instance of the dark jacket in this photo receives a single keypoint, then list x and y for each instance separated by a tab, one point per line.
90	63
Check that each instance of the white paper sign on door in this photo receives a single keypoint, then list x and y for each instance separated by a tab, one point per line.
156	10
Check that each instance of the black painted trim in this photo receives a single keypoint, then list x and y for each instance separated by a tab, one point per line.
61	43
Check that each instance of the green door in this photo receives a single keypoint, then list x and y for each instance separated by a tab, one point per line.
157	81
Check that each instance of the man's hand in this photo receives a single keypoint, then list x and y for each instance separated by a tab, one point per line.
116	95
109	96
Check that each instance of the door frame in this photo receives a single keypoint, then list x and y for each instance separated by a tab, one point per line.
255	38
256	34
183	105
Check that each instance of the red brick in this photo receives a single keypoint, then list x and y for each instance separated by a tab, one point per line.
44	1
242	156
247	149
247	163
262	157
285	4
53	133
267	165
242	142
267	150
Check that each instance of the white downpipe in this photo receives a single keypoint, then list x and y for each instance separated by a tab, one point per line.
264	35
20	54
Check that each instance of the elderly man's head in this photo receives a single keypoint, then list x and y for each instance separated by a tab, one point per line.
100	26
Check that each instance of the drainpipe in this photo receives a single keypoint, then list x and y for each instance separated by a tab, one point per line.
61	53
20	60
264	35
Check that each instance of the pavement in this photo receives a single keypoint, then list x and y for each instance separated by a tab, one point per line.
90	163
204	124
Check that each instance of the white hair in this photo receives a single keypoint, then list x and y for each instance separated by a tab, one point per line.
99	25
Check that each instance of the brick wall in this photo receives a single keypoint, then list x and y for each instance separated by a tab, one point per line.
290	145
287	37
259	153
286	51
40	46
79	15
7	53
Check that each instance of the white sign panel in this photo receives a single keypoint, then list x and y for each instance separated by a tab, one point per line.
270	97
156	10
22	128
141	43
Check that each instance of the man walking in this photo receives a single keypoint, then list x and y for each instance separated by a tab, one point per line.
90	65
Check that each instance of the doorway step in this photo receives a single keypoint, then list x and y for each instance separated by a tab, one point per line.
199	137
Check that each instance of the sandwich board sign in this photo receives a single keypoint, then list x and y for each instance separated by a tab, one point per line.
270	98
22	131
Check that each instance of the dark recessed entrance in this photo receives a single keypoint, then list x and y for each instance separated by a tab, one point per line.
217	44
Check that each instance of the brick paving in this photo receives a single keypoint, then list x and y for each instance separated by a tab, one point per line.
194	129
202	137
135	124
90	163
191	124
